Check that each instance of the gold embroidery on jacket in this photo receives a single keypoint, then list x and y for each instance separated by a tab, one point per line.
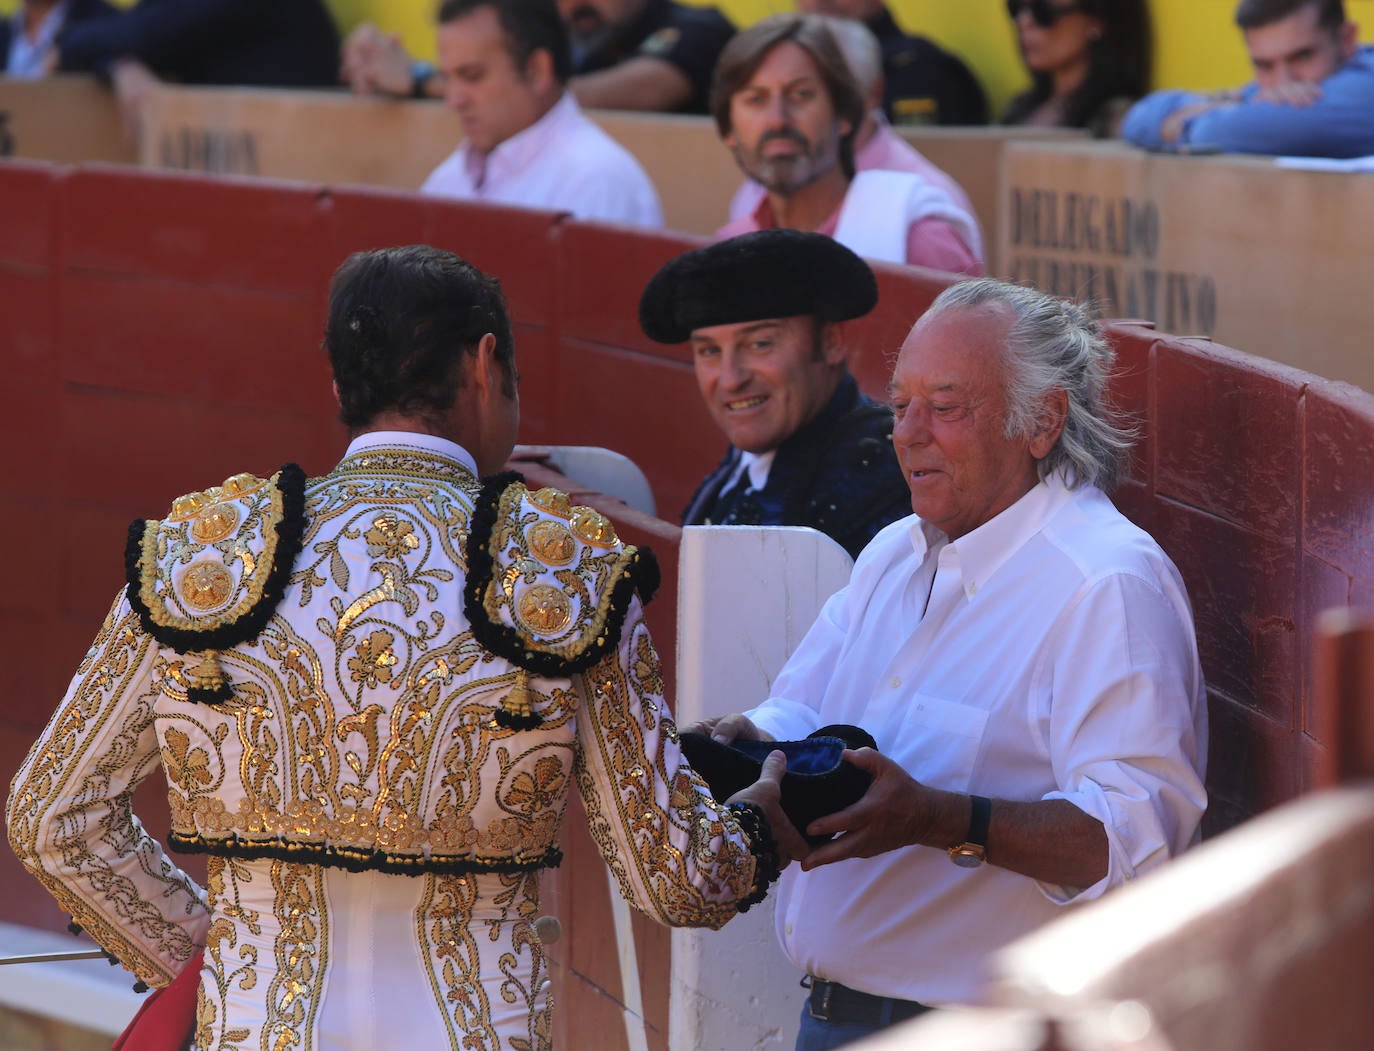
293	996
45	785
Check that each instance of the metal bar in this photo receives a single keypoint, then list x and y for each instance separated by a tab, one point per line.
55	957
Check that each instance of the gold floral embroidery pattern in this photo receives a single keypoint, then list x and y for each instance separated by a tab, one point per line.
48	800
453	961
227	962
566	610
293	996
656	872
167	592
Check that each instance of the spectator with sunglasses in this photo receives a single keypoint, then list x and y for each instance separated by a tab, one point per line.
1313	93
1088	60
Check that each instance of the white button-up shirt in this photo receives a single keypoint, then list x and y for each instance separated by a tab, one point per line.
563	162
1048	654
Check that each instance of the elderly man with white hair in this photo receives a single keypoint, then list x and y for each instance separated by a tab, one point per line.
877	147
1023	656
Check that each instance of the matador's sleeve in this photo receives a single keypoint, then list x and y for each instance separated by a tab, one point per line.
70	817
552	589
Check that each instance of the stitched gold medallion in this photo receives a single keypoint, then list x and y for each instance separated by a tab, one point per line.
552	500
594	527
551	543
206	585
544	609
214	523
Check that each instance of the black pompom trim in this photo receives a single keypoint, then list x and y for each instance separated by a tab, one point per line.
510	721
290	530
641	575
221	694
361	860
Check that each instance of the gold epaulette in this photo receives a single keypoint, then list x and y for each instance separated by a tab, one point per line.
209	576
548	584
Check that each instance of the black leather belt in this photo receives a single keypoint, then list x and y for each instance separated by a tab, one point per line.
833	1002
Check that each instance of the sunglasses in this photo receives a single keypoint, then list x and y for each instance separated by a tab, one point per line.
1042	12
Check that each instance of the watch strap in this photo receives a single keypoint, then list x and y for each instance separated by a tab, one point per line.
979	819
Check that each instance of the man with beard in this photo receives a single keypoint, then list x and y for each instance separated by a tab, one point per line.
787	106
626	54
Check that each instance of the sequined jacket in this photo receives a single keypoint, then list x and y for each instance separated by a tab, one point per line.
838	473
392	668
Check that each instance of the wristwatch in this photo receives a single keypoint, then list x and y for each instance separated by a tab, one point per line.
973	851
420	72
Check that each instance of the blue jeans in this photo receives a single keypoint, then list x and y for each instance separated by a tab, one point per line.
816	1035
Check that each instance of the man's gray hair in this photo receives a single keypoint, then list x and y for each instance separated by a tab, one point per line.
1054	344
863	53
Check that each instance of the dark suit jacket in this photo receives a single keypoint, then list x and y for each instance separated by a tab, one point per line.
838	473
77	11
267	43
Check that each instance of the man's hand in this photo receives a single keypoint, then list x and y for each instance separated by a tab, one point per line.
727	729
766	793
1295	93
896	811
133	84
375	63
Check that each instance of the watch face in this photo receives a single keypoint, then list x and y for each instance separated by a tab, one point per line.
967	856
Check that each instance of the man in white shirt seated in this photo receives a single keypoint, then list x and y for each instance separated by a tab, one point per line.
505	67
1024	657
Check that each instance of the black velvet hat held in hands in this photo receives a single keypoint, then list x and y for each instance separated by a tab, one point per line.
817	781
754	277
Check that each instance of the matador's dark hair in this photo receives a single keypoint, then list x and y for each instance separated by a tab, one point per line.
399	321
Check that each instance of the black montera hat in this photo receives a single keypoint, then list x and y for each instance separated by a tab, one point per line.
767	274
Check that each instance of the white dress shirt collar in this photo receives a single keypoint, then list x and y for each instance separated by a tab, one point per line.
982	551
521	150
429	443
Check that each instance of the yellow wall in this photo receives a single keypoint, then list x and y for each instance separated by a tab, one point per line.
1197	45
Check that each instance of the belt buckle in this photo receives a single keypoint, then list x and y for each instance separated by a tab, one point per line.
826	990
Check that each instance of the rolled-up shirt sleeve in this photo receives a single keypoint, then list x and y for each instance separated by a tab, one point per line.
1126	723
1145	120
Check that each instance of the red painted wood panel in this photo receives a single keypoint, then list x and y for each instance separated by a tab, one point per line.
1228	435
603	271
243	233
28	199
1243	587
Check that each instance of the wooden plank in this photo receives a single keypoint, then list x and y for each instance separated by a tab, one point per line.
317	136
1272	260
63	119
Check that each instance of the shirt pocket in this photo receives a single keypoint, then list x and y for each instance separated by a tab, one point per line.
940	741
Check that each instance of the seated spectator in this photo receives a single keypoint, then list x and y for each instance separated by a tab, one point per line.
1088	60
922	83
876	145
28	36
1313	93
806	448
266	43
260	43
505	67
787	106
626	54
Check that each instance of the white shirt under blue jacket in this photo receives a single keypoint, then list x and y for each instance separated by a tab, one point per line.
1054	657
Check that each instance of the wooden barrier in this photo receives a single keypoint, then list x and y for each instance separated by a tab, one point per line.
164	328
337	138
63	119
1238	249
